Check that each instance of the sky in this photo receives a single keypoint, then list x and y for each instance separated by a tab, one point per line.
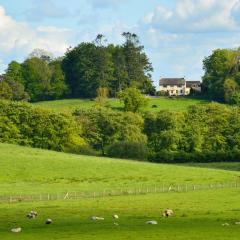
177	34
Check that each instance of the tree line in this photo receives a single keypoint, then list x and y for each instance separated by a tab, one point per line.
80	72
221	81
208	132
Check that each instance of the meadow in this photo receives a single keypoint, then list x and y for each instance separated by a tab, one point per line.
198	214
161	103
26	170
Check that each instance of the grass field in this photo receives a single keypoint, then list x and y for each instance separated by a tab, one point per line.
161	103
198	214
27	170
233	166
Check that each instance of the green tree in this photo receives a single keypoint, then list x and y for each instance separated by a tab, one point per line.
163	130
102	127
137	63
218	67
18	91
14	72
87	67
120	74
133	99
5	90
230	89
37	75
58	86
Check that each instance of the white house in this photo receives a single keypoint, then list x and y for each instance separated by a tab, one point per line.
178	86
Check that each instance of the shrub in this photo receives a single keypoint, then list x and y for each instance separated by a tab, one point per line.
23	124
133	99
130	150
196	157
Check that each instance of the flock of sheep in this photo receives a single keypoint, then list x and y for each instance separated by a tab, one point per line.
34	214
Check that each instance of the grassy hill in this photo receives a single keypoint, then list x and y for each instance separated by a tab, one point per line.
26	170
198	214
160	102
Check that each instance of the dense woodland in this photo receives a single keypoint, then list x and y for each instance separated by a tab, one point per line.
208	132
80	72
98	70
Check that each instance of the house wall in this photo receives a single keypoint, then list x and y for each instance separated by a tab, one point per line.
173	90
178	91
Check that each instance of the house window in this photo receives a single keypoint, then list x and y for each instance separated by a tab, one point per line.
181	91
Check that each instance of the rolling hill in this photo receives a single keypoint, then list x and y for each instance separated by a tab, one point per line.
26	170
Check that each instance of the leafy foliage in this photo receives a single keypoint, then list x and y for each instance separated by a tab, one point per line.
102	127
133	99
128	150
222	70
25	125
205	129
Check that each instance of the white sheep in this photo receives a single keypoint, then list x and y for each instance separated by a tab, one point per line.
115	216
32	214
94	218
48	221
152	222
168	213
225	224
16	230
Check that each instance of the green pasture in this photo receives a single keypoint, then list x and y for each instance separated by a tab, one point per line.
198	215
26	170
154	104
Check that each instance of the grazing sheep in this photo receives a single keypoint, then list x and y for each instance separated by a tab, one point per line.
152	222
48	221
115	216
225	224
237	223
16	230
94	218
168	213
32	214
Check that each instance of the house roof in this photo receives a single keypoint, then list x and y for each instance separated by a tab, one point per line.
190	83
172	81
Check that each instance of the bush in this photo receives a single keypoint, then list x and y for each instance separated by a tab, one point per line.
23	124
129	150
196	157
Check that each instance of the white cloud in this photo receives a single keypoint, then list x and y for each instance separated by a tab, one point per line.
192	16
179	38
19	38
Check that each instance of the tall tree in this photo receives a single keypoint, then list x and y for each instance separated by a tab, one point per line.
37	75
221	65
138	65
88	67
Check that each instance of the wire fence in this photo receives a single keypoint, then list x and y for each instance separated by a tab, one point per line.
117	192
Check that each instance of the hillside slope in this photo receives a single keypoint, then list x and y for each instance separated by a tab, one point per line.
160	103
26	170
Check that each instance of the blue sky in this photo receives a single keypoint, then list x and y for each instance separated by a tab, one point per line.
177	34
